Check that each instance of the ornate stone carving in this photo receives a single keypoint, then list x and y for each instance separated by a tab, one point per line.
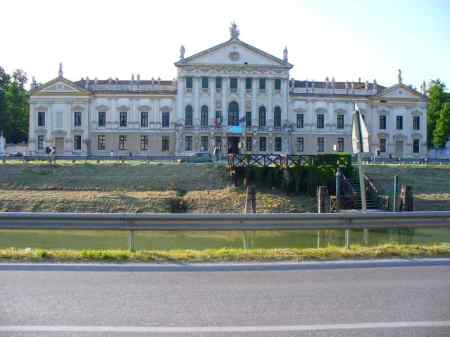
234	31
182	52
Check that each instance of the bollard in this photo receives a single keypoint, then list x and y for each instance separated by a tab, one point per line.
394	200
131	246
347	238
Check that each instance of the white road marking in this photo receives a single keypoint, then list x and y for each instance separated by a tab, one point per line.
210	329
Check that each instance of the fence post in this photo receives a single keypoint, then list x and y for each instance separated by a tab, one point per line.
394	199
338	188
323	205
131	245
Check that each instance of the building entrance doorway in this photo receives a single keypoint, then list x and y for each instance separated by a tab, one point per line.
59	145
233	145
399	149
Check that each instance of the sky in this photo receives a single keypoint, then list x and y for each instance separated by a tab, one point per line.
114	38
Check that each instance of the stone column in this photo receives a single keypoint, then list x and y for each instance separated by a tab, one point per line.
269	93
212	101
180	100
225	82
196	101
285	105
241	88
254	106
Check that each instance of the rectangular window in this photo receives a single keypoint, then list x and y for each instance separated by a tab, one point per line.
300	120
123	119
40	142
320	121
399	122
416	145
300	144
144	143
340	121
188	83
248	119
248	83
382	122
205	83
320	144
165	119
41	118
233	84
218	118
277	84
262	84
165	144
340	144
144	119
248	144
218	141
382	145
77	119
416	122
122	142
102	118
262	144
278	144
218	83
277	118
204	143
77	143
188	143
101	146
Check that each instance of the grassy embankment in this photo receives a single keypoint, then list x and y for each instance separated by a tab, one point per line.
227	254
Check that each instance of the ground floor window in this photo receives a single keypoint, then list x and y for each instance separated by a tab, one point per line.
263	144
188	143
218	141
204	143
320	144
300	144
40	142
122	142
340	144
101	143
382	145
144	143
165	144
416	146
278	144
248	144
77	143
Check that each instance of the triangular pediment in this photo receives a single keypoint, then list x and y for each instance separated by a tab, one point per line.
234	52
400	91
59	86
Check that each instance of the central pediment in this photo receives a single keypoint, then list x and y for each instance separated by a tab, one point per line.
234	52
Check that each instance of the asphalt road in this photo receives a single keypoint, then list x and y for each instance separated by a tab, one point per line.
365	299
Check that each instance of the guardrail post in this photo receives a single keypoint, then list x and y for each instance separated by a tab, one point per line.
347	238
131	243
338	188
394	199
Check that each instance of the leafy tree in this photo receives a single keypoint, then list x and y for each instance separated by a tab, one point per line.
442	129
436	99
4	82
16	104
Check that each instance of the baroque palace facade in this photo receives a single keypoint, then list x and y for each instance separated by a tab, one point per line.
232	95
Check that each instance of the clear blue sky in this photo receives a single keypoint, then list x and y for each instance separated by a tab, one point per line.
344	39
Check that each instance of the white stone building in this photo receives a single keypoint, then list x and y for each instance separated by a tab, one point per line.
230	94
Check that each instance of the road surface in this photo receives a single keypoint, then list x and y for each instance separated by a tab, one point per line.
315	300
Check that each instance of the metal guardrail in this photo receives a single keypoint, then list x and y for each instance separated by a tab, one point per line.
222	222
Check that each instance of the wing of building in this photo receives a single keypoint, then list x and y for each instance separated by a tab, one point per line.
230	96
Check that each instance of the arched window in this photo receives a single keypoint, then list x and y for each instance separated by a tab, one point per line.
262	117
233	113
277	117
204	117
188	118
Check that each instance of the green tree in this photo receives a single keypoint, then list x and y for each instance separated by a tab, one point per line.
436	99
442	129
4	82
16	98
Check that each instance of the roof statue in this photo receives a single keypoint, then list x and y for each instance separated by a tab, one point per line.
182	52
60	72
399	76
285	54
234	31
